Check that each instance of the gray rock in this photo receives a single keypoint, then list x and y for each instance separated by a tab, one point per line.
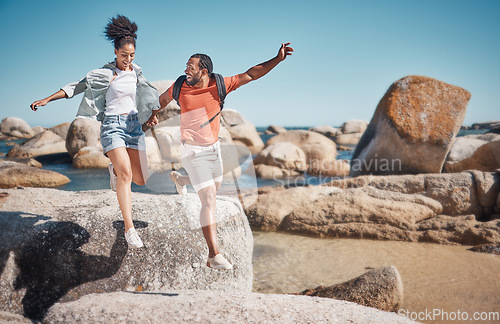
348	139
6	317
16	127
42	144
203	306
326	130
62	245
352	127
485	158
380	288
274	129
61	130
81	133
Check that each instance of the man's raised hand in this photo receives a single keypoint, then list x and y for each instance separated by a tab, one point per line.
284	51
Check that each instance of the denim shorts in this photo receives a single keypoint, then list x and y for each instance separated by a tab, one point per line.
203	164
122	131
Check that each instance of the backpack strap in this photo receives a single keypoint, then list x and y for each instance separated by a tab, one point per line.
221	91
177	88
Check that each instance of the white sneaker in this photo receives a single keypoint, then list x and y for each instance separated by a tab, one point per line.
180	189
133	238
219	262
112	177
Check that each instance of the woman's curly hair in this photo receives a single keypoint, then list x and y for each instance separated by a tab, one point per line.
120	30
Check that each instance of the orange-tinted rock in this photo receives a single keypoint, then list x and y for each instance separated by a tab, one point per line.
412	129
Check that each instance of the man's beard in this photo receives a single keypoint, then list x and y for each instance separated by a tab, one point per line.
194	80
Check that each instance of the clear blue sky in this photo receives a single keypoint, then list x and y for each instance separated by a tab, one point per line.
347	53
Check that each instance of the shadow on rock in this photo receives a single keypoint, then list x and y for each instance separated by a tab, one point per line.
51	263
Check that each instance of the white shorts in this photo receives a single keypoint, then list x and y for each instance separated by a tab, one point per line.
203	164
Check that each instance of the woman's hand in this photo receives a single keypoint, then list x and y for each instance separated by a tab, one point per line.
152	121
34	106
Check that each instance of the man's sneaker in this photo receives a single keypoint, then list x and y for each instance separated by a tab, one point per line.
112	177
180	189
133	238
219	262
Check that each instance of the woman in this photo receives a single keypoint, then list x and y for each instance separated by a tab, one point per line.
121	98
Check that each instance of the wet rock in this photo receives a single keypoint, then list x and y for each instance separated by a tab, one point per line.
183	306
42	144
61	245
81	133
379	288
16	127
414	125
13	174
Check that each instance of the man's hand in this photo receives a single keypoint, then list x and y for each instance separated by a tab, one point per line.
39	103
284	51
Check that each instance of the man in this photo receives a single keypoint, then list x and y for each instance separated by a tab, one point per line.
200	124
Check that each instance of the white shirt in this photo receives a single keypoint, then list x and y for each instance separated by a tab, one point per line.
120	97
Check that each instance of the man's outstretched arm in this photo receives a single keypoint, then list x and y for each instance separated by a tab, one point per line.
262	69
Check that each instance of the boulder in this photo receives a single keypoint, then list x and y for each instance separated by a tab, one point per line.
169	143
6	317
242	131
380	288
325	130
61	130
352	127
274	129
438	208
412	128
16	127
284	155
202	306
81	133
90	157
264	171
485	158
42	144
486	125
13	174
61	245
38	129
320	150
348	139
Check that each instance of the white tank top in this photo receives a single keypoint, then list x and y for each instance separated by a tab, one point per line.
120	97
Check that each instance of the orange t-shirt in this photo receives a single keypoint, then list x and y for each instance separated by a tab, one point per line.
198	106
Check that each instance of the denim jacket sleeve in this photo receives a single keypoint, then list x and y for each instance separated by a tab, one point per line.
75	88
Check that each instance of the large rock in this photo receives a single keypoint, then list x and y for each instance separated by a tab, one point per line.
42	144
90	157
13	174
412	129
275	129
348	139
325	130
485	158
464	147
320	151
242	131
353	126
439	208
61	245
81	133
16	127
61	130
284	155
380	288
214	307
264	171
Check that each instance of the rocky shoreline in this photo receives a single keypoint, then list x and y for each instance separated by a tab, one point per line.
410	179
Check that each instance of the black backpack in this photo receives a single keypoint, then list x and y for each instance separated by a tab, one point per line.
221	90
